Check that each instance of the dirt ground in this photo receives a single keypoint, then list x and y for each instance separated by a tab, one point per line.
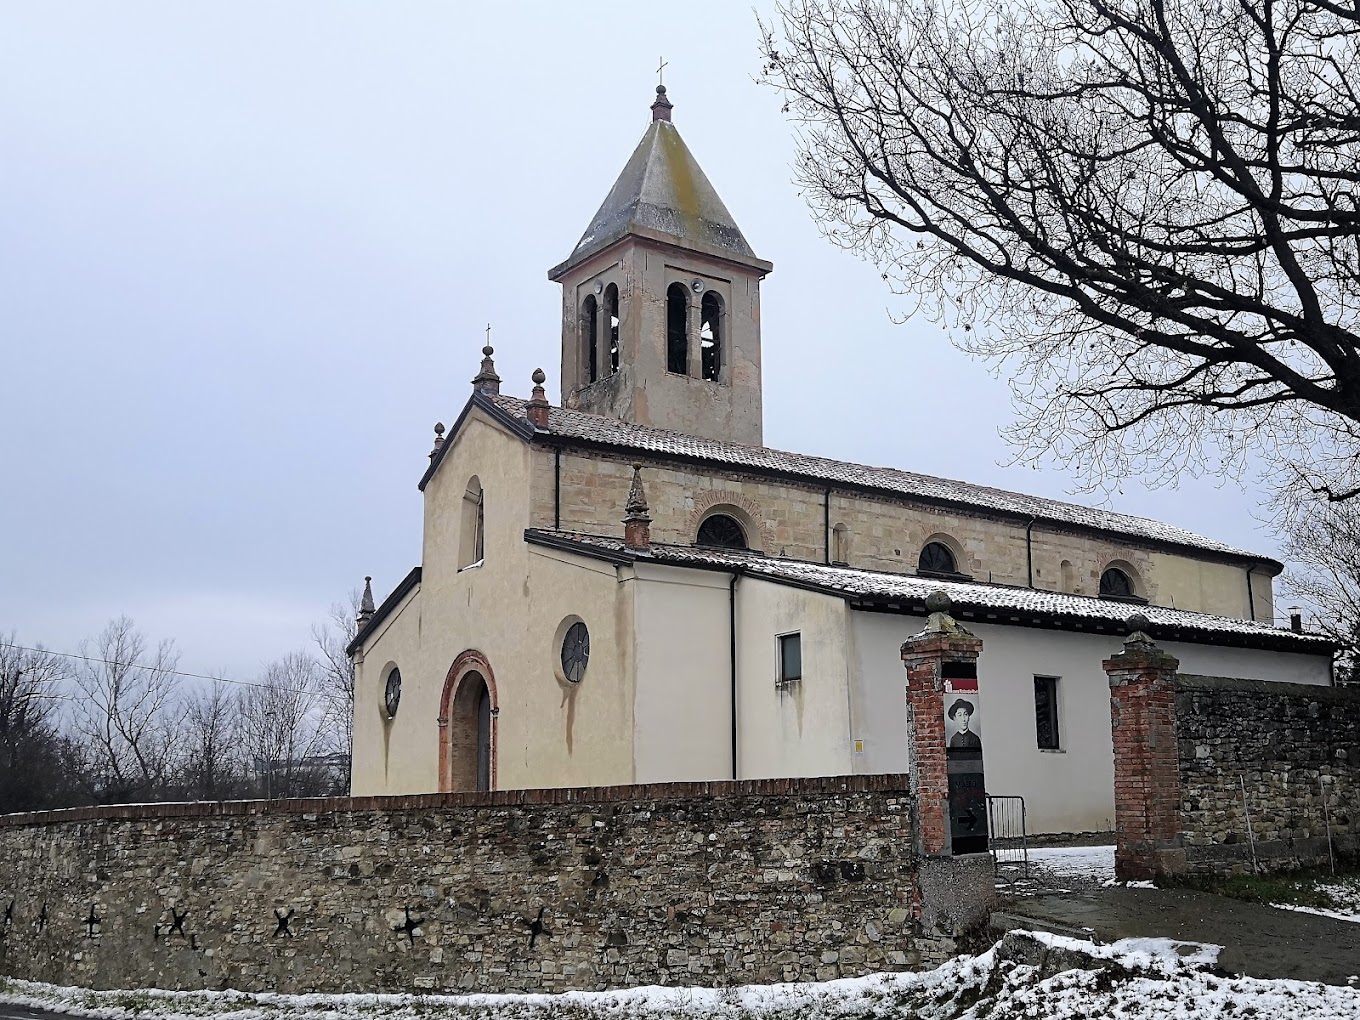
1257	940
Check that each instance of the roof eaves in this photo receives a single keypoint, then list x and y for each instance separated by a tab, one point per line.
663	241
519	426
1048	619
390	603
552	540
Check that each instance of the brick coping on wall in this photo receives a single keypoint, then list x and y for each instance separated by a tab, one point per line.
1266	688
885	782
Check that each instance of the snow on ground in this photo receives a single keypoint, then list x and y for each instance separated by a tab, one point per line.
1345	897
1025	975
1093	862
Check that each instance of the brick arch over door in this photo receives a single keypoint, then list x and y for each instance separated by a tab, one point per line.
468	713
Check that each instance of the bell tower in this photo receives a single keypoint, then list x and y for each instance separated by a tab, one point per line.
661	300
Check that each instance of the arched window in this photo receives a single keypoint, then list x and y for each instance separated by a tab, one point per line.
1116	584
471	537
590	350
937	558
677	329
611	321
840	544
710	335
722	531
1069	576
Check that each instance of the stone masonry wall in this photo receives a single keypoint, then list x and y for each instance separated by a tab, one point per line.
791	519
1293	746
537	890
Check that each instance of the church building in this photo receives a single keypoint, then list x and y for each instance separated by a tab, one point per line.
631	587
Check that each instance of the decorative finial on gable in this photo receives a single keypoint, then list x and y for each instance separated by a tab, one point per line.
536	410
365	604
661	109
487	381
637	532
438	439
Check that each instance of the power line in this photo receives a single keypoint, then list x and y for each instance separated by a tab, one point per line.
173	672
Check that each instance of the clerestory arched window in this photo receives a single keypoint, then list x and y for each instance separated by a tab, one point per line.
590	351
611	322
937	558
722	531
677	329
710	335
1116	584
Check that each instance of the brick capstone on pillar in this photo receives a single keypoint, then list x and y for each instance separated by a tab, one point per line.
944	639
1147	792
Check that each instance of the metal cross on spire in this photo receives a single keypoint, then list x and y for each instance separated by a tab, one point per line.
488	334
660	69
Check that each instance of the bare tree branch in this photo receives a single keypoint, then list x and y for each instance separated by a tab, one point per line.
1146	213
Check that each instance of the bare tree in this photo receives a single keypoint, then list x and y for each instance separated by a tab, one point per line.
281	728
331	638
211	761
31	763
126	716
1326	547
1144	211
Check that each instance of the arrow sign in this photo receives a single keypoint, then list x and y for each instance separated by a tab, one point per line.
969	819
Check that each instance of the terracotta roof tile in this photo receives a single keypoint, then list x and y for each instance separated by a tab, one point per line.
1008	604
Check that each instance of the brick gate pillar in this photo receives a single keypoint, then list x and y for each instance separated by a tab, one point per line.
1147	791
932	655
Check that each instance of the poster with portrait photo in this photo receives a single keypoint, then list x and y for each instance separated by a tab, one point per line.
963	720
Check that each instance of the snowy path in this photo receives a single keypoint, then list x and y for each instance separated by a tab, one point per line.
1023	976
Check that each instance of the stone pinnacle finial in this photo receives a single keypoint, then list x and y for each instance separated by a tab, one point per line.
438	439
1139	639
487	381
661	109
938	604
536	409
366	604
637	532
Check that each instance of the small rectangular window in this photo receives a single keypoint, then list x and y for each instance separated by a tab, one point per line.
790	658
1046	712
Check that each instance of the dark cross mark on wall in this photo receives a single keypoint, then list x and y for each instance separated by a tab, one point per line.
9	914
41	922
409	926
536	927
177	922
282	929
91	923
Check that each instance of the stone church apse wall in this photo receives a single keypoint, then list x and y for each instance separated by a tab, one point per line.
537	890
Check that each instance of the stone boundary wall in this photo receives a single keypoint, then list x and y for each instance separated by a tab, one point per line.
527	890
1295	747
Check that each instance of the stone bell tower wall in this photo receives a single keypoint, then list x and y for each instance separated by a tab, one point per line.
643	390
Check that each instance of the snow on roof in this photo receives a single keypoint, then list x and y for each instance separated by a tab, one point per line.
985	602
627	436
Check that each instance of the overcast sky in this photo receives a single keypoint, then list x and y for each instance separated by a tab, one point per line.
248	251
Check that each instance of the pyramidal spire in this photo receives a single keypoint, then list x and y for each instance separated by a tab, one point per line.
662	194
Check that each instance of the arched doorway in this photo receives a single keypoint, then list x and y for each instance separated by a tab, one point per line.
467	726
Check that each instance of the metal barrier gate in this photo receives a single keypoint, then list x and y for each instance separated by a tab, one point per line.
1009	841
